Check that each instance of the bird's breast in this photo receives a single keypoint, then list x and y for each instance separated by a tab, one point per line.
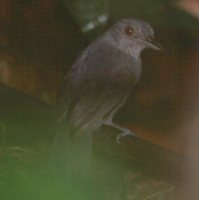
127	71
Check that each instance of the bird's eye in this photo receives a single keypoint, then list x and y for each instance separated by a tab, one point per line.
129	31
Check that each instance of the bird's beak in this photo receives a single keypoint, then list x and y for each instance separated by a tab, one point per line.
151	43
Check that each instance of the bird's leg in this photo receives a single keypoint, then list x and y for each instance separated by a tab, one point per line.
124	131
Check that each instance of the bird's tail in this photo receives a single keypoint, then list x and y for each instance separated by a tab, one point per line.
71	157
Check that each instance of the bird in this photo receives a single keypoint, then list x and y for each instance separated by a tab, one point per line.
95	88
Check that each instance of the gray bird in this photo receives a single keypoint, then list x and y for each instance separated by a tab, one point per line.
95	88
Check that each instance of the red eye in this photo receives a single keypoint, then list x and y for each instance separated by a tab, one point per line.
129	31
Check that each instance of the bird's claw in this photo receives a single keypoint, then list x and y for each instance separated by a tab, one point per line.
124	134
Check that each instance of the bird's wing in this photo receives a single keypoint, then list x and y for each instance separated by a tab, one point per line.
94	88
98	81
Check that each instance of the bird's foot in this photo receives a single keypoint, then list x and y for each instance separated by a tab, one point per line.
125	133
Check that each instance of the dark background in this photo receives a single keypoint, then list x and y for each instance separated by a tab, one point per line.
39	42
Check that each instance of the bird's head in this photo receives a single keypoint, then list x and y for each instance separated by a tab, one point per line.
132	36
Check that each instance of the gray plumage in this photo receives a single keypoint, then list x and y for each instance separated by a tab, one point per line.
97	85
